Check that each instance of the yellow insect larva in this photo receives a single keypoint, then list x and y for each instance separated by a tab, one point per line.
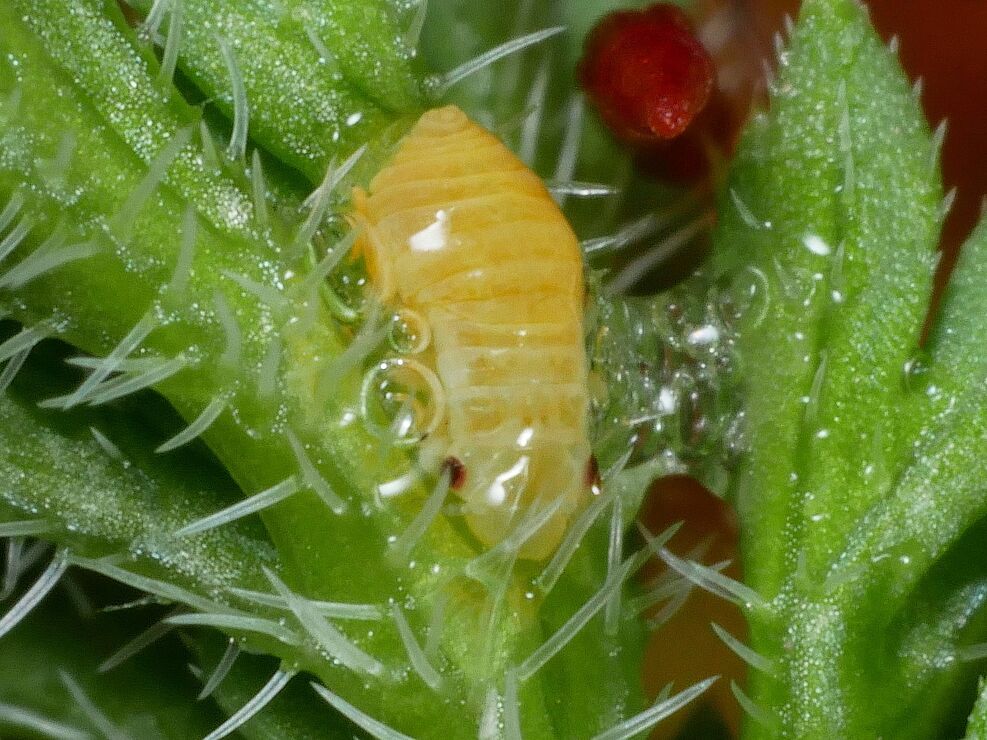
456	229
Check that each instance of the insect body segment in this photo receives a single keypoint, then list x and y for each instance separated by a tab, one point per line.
458	230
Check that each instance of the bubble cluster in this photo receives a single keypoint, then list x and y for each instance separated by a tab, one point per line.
669	364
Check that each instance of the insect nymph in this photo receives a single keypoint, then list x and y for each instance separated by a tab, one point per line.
457	229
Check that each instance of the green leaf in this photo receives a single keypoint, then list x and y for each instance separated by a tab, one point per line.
929	527
91	481
95	48
955	361
138	272
295	713
977	729
832	209
306	108
91	476
51	660
828	228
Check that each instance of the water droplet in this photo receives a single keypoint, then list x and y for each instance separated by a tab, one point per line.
401	401
410	333
915	371
747	301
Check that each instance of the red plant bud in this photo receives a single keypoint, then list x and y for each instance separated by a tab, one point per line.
646	73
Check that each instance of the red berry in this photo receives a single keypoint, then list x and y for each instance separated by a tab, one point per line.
646	73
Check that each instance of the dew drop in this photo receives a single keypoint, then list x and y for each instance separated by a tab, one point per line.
915	371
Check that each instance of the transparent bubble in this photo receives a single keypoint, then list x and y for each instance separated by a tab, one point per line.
410	333
747	301
729	308
683	390
697	420
402	401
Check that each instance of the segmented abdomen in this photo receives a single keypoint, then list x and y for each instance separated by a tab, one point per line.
459	230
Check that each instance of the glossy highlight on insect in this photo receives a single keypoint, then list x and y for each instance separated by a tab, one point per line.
457	230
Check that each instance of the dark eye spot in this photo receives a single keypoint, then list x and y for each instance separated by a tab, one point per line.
457	472
592	471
